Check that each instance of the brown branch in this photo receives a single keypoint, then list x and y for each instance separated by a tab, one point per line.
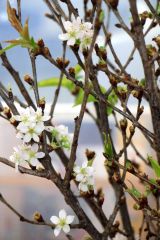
42	173
16	77
24	219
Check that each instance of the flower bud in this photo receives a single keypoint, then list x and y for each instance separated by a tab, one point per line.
28	79
38	217
113	3
90	154
7	112
40	43
123	124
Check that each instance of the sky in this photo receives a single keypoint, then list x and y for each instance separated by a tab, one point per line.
42	27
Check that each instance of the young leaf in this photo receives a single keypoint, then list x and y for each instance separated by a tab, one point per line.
53	82
133	191
13	18
108	147
77	69
113	99
155	165
158	9
79	98
7	48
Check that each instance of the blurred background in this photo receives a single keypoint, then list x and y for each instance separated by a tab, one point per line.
28	194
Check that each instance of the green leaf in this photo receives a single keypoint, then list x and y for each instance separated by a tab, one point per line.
101	16
142	82
155	165
158	9
113	99
90	163
7	48
133	191
53	82
77	69
80	96
108	147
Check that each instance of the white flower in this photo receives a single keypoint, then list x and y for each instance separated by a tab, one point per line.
24	117
84	175
27	133
31	124
60	136
17	156
26	153
86	39
72	31
39	117
62	222
100	41
32	155
77	32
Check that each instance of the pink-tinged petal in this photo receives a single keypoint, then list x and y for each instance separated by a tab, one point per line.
90	170
49	128
62	214
19	135
78	20
34	147
63	36
46	118
31	111
16	167
66	228
40	154
27	138
39	127
88	25
17	118
67	25
22	127
34	162
77	169
85	164
90	181
54	220
71	41
69	219
57	231
79	177
35	137
83	187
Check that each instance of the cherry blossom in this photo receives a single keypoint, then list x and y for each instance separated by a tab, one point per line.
62	222
84	175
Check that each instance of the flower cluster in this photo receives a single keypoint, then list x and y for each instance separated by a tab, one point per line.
60	136
31	124
30	127
77	32
84	175
62	222
26	153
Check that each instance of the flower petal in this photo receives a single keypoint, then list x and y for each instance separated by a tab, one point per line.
69	219
76	169
40	154
27	138
54	220
35	137
57	231
66	228
62	214
79	177
85	164
63	37
83	187
71	42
